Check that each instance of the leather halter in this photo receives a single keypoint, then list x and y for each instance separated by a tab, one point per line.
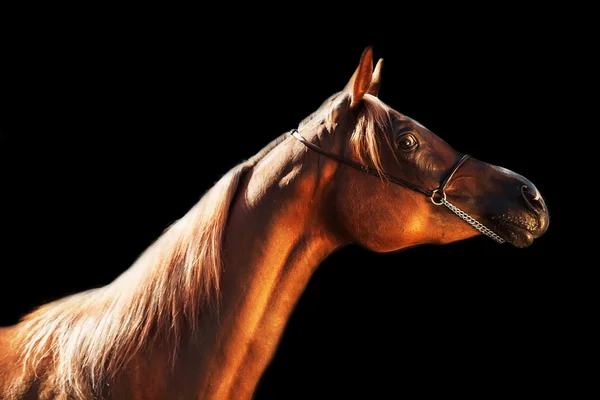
437	196
432	194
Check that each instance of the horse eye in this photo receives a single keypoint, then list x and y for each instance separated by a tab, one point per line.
407	141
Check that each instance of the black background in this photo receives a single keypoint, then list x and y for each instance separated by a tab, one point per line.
112	130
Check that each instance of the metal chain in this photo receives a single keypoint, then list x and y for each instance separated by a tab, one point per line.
471	221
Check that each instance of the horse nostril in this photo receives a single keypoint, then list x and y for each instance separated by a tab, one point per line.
533	198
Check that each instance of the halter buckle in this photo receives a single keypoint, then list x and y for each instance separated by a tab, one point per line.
440	195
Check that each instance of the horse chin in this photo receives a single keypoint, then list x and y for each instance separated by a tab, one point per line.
520	230
516	235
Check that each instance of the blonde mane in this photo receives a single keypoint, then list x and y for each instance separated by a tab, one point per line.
84	340
369	134
87	337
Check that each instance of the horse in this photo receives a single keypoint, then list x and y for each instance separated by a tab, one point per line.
201	312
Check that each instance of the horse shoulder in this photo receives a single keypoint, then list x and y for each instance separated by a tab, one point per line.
13	385
8	361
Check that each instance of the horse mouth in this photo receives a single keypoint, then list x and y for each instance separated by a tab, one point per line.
520	231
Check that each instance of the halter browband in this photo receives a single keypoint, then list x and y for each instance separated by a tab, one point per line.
437	196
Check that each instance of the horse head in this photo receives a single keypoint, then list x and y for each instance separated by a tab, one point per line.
411	173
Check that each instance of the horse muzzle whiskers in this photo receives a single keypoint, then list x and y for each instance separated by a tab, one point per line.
521	221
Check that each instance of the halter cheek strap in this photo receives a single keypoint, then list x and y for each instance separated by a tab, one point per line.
437	196
439	192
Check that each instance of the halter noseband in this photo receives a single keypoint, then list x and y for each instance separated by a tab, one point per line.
437	196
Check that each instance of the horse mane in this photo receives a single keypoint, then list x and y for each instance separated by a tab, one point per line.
86	338
369	133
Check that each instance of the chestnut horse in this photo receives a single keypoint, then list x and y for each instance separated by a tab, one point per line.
200	314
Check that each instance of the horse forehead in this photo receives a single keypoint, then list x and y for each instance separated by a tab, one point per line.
403	117
425	130
417	122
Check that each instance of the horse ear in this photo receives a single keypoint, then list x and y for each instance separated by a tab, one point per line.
361	80
376	79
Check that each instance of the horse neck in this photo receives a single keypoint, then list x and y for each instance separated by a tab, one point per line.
274	241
